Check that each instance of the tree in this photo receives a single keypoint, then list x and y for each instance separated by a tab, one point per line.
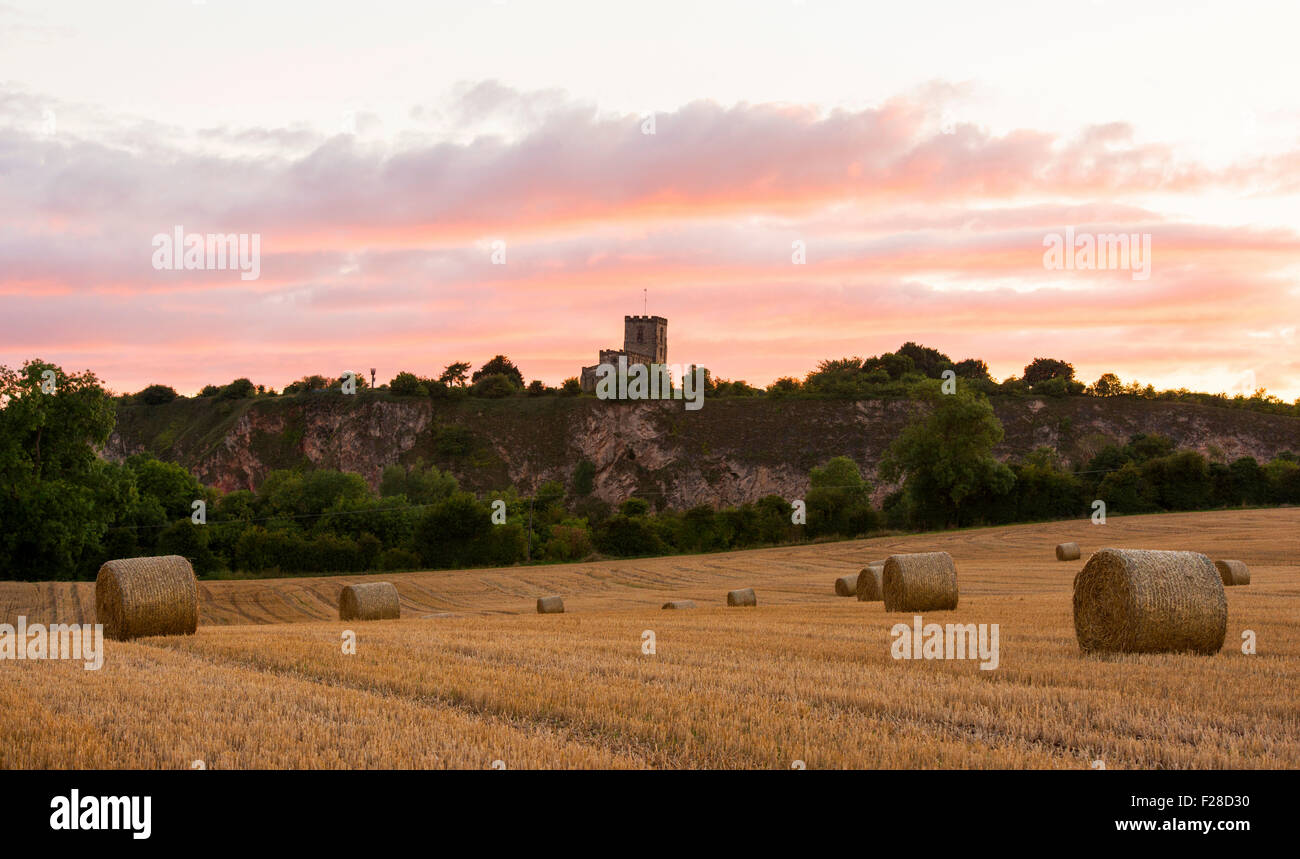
212	391
503	366
1180	481
422	484
896	364
930	362
174	488
972	368
571	387
1044	369
568	542
1248	480
51	482
783	387
1045	490
627	536
1143	447
700	531
839	500
191	542
1283	477
945	459
584	476
1110	458
1107	385
634	507
774	523
314	382
406	384
839	376
458	532
156	395
1124	491
455	374
240	389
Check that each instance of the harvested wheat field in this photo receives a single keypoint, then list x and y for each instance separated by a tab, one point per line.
805	675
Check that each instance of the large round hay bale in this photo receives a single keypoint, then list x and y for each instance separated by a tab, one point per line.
1145	601
925	581
1233	572
679	604
135	597
846	586
550	605
1067	552
870	584
370	601
742	596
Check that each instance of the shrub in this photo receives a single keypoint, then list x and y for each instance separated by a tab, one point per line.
406	384
156	395
240	389
398	559
584	476
494	387
569	542
500	366
626	536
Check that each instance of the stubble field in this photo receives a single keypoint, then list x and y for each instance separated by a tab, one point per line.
471	675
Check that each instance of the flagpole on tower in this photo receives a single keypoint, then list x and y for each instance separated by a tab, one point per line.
645	301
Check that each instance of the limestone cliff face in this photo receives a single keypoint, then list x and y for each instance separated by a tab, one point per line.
732	450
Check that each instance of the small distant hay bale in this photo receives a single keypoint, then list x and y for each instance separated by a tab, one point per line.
679	604
550	605
1233	572
1146	601
742	596
924	581
135	597
370	601
1067	552
870	586
846	586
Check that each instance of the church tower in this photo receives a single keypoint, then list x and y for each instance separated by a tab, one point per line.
647	337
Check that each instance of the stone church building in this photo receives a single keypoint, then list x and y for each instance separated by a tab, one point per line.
645	341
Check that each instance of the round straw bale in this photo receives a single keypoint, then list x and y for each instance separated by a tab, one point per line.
1233	572
135	597
1067	552
924	581
679	604
550	605
1145	601
369	601
742	596
846	586
870	584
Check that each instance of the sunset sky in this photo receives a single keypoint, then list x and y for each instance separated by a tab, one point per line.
920	151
